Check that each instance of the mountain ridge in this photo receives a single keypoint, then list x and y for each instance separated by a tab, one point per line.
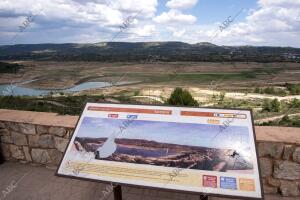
147	51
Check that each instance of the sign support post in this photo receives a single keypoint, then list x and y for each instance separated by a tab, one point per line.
117	192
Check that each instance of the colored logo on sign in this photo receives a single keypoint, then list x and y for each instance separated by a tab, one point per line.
228	183
132	116
247	184
210	181
113	115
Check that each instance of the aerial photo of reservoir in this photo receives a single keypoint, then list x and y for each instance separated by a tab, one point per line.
169	144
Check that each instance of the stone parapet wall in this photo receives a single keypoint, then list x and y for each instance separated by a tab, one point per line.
280	168
33	143
35	137
41	138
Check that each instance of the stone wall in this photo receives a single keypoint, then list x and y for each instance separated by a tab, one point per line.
33	143
41	138
280	168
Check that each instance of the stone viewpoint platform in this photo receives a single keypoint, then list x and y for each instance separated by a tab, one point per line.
33	144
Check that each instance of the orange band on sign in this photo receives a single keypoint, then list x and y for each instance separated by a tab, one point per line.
197	114
130	110
247	184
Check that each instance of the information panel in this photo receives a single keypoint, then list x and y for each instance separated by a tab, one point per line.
201	150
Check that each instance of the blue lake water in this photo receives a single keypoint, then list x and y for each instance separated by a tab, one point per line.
142	152
18	90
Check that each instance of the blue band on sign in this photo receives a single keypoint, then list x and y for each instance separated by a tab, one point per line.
132	116
228	183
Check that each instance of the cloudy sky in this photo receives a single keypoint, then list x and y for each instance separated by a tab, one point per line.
248	22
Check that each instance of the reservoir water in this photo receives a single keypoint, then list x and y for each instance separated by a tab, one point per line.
142	152
19	90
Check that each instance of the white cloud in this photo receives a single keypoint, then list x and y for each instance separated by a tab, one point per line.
146	7
177	33
89	12
279	3
175	16
144	31
181	4
97	15
272	22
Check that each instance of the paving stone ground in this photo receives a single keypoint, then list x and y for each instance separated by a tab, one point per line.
27	182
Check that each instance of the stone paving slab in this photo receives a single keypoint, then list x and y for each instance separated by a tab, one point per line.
27	182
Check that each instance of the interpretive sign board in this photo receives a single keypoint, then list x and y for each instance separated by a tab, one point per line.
199	150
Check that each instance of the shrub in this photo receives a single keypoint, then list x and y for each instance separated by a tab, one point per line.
266	105
271	106
294	89
10	67
285	121
295	103
269	90
257	90
182	97
274	91
222	97
275	105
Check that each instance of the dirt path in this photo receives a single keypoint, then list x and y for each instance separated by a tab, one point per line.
149	97
239	95
259	96
202	93
274	118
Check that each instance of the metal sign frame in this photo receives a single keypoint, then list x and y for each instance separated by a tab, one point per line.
207	192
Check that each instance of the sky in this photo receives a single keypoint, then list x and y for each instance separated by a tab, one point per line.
222	22
167	132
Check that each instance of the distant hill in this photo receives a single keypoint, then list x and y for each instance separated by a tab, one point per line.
148	52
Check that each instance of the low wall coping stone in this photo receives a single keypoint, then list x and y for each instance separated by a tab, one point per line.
38	118
278	134
263	133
